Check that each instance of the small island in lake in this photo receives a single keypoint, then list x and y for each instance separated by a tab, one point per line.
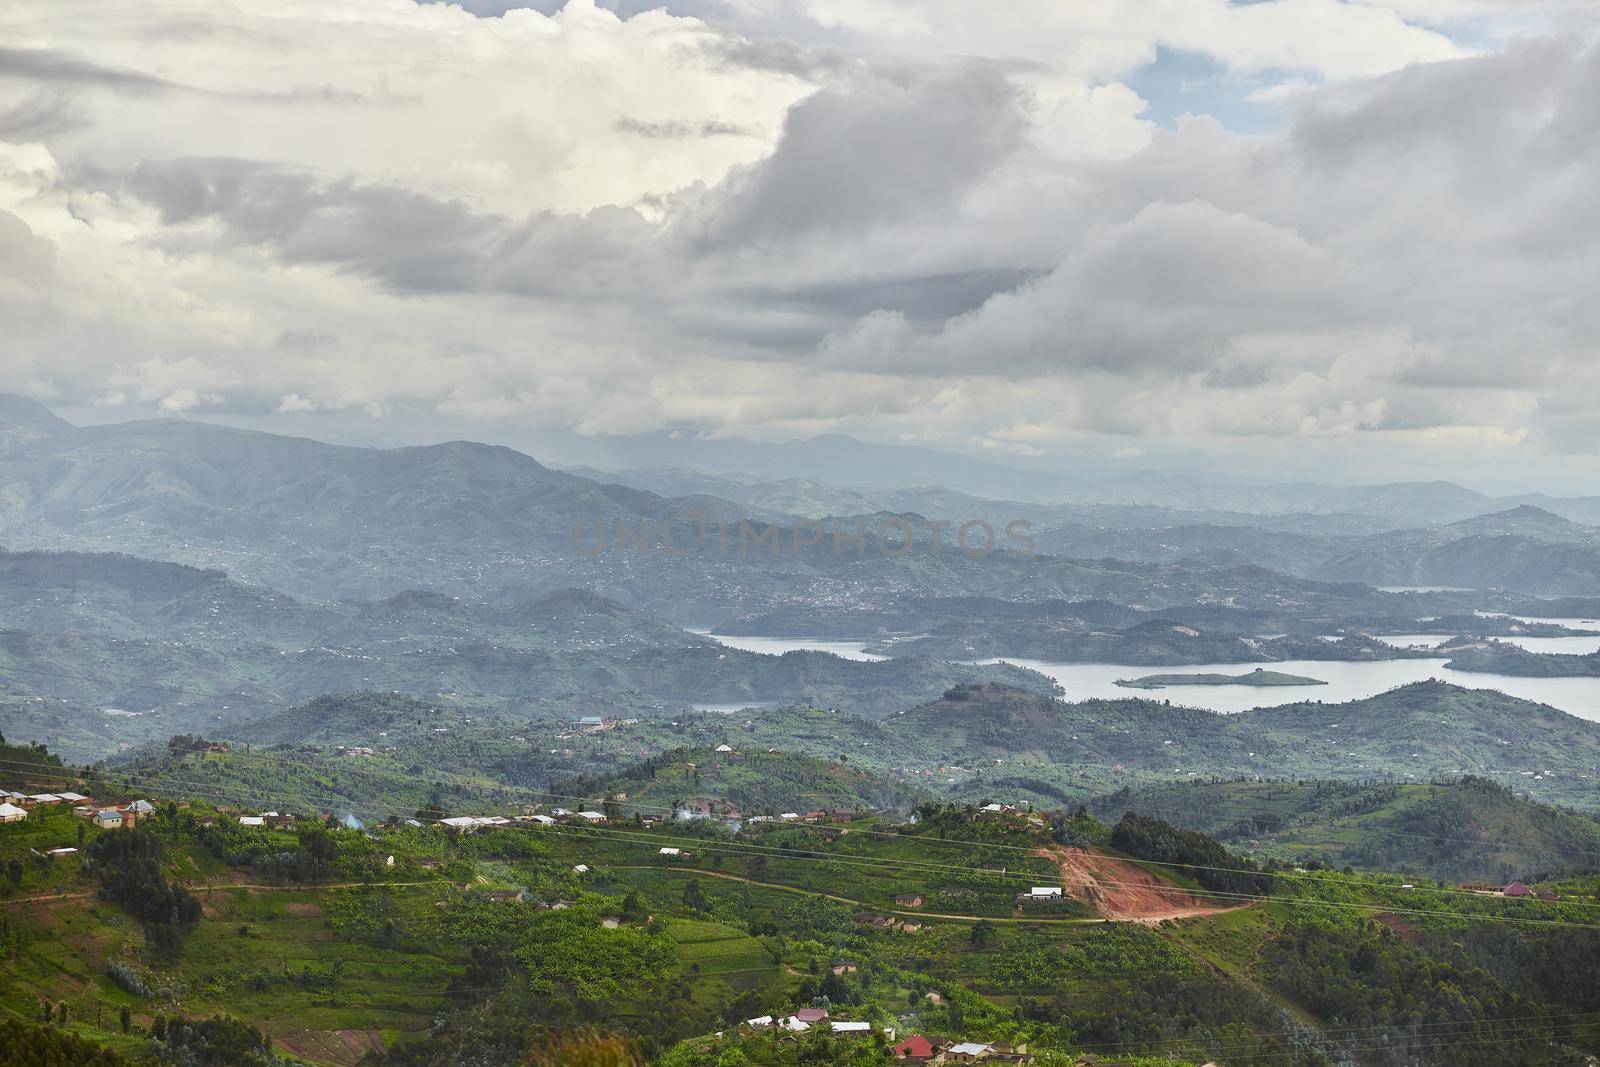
1255	677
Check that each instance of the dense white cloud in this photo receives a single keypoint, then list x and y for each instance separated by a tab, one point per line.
919	220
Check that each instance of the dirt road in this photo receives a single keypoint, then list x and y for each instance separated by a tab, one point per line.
1122	891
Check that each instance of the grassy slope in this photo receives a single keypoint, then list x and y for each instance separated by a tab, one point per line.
1471	830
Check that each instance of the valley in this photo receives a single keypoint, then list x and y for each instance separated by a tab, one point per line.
437	799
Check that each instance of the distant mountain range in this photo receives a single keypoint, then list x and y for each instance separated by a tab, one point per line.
331	523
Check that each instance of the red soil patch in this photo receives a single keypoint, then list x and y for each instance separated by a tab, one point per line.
1123	891
1402	929
331	1046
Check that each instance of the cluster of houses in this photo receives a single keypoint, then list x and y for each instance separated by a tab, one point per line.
694	807
276	820
589	724
1516	890
891	922
917	1049
806	1019
15	807
836	816
468	823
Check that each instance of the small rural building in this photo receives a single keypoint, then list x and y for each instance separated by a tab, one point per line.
592	816
64	850
1516	889
669	851
811	1015
43	798
508	896
840	1027
760	1022
142	807
542	820
252	820
916	1049
1045	892
107	818
909	900
966	1052
9	812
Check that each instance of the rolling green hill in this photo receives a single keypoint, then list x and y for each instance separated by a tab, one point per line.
1471	829
756	782
1423	731
406	945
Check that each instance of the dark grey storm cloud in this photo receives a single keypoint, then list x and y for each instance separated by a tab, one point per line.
409	240
48	65
1448	209
404	239
887	146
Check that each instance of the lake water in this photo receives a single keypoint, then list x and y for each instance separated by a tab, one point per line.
777	646
1346	681
1566	646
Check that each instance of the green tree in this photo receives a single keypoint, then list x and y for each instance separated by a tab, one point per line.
694	897
125	1017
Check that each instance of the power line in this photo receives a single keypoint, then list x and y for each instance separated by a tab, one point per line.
548	795
1032	852
651	839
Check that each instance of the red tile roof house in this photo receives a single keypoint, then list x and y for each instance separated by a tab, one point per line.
1516	889
811	1015
916	1049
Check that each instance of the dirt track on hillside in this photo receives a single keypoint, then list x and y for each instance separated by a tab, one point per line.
1123	891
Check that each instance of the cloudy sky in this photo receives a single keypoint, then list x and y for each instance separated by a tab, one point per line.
1350	238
